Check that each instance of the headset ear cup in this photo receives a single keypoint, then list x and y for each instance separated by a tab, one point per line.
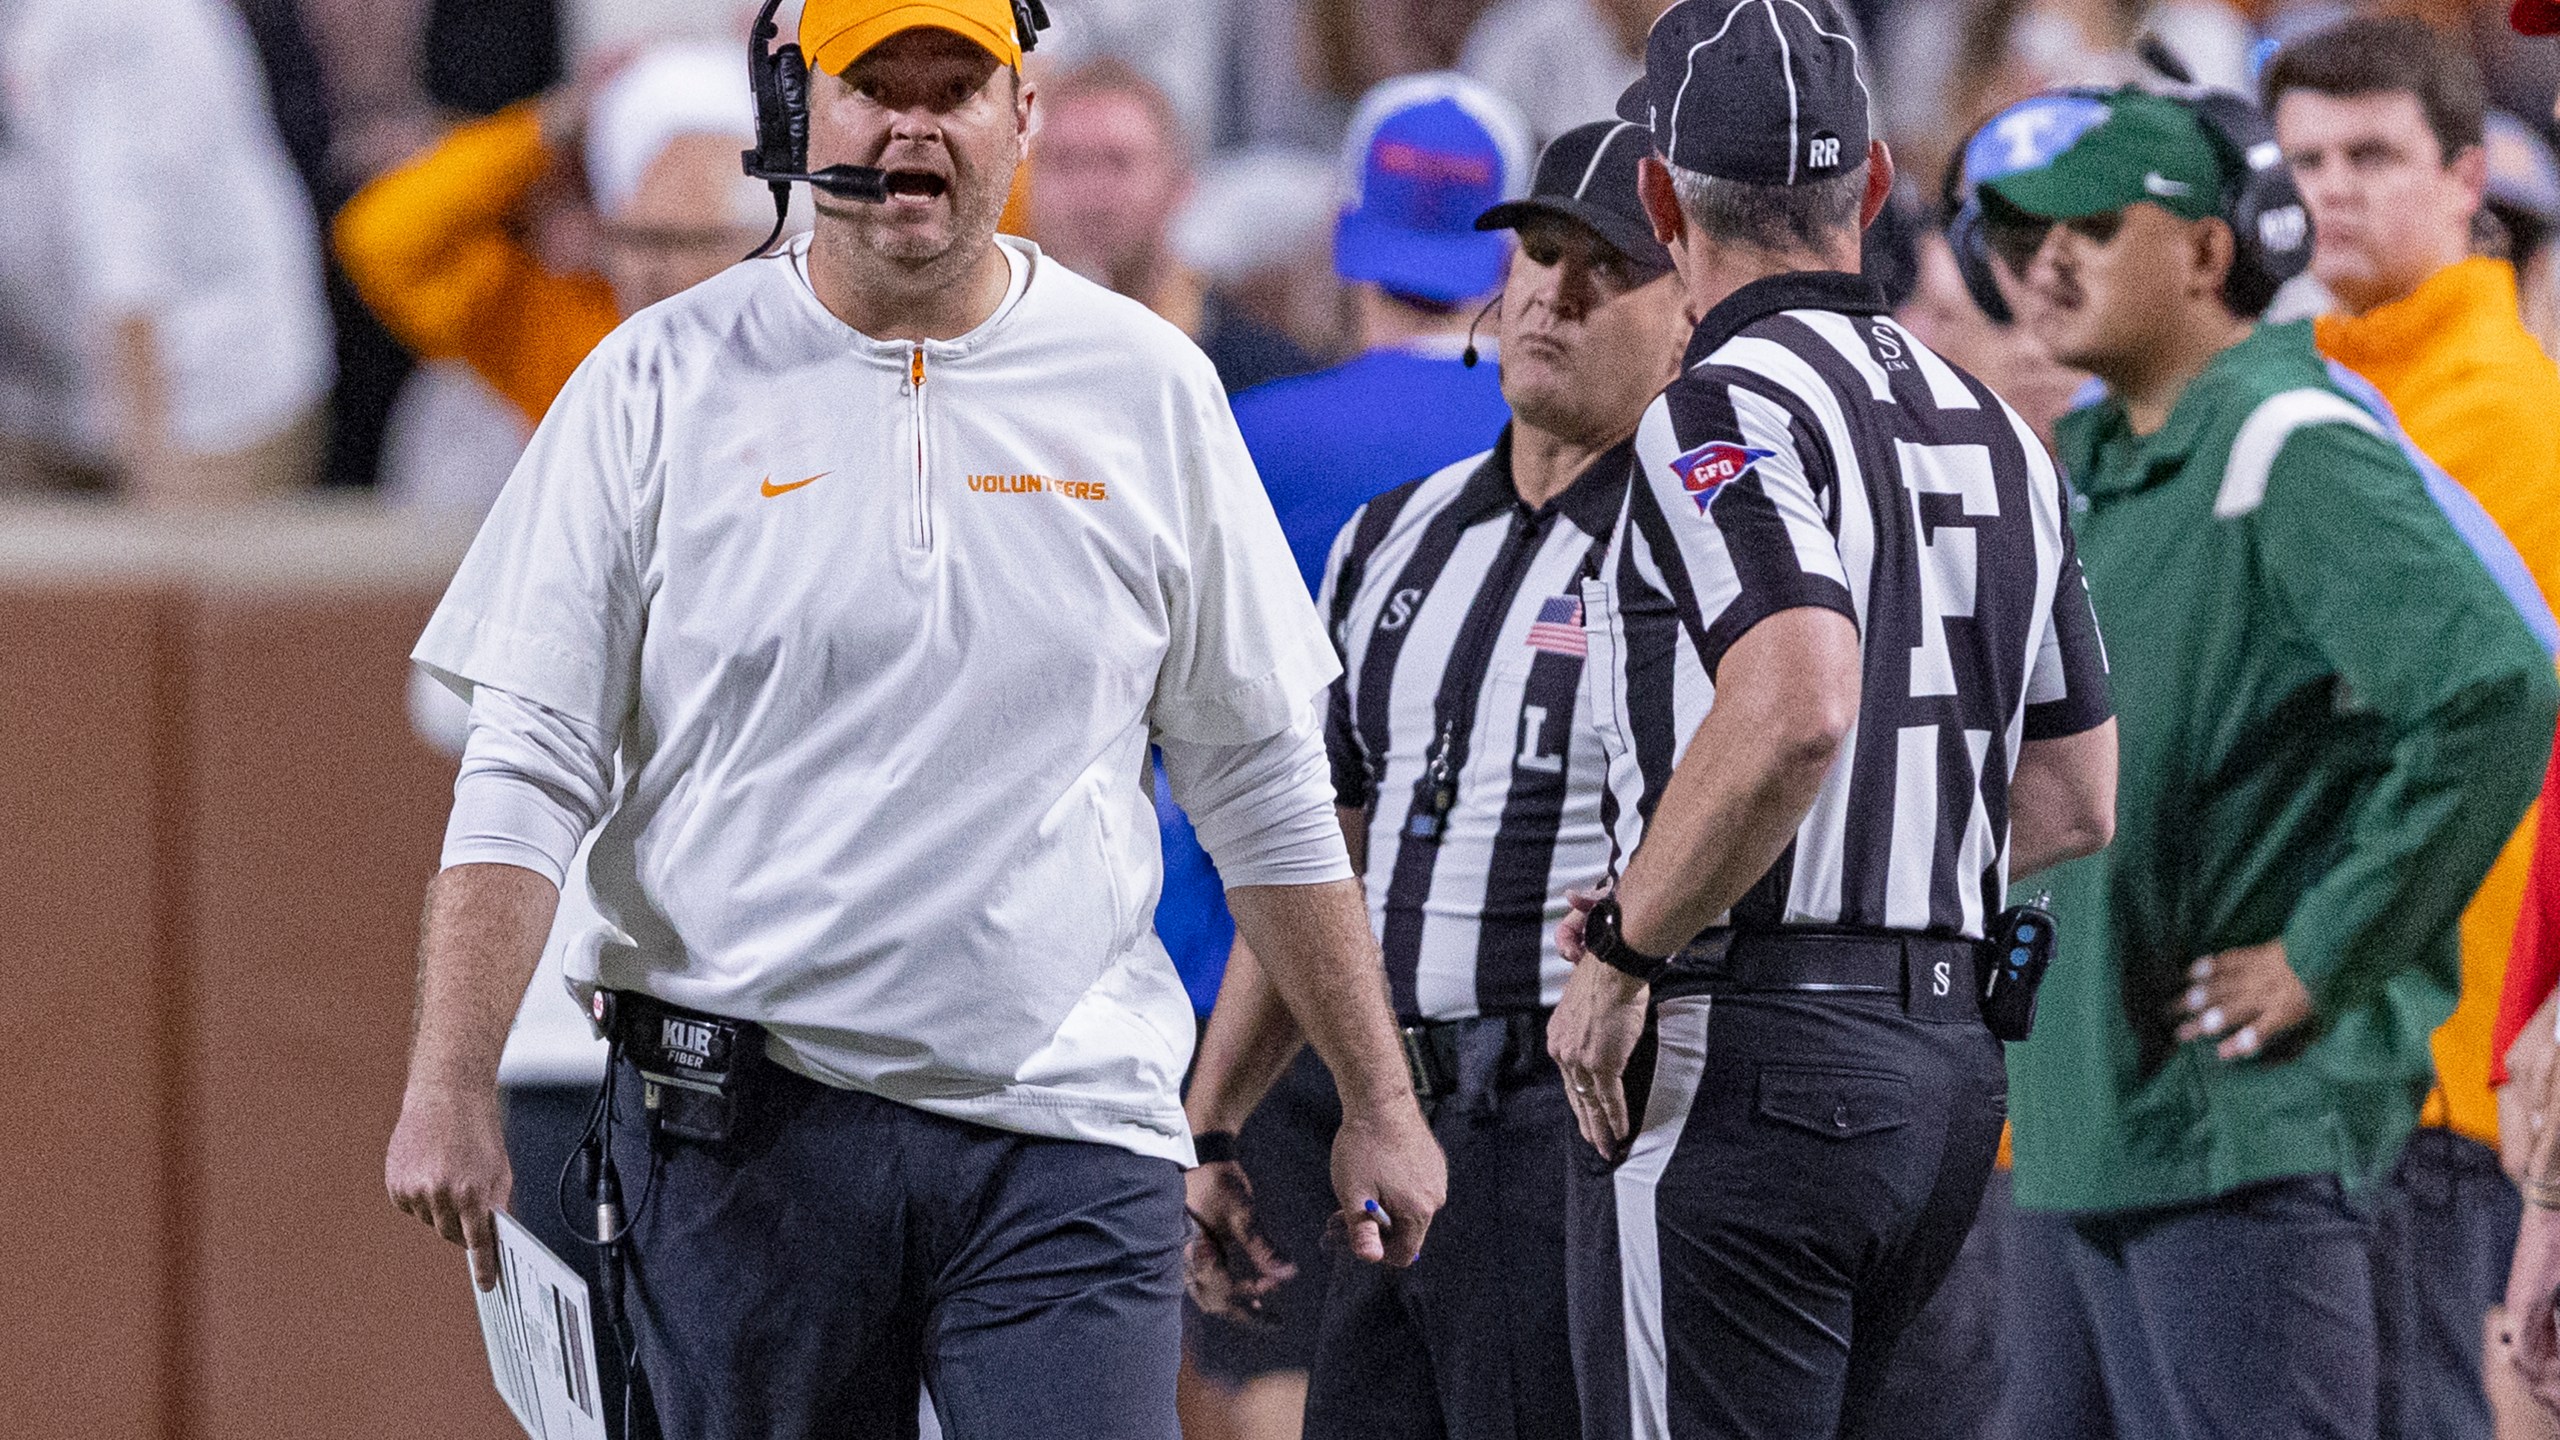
1030	17
791	79
1960	215
1973	262
2270	228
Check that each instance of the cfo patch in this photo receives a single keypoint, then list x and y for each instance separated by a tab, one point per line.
1706	469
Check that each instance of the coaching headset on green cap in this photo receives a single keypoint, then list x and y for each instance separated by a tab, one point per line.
2200	156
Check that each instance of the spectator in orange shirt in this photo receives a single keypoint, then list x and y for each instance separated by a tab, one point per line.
439	246
2381	120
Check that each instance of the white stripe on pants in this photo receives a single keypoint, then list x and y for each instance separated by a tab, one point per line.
1680	1037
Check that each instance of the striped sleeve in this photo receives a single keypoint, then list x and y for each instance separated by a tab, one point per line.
1352	786
1739	481
2067	690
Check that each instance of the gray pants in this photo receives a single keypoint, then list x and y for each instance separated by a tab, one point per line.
2442	1239
2246	1317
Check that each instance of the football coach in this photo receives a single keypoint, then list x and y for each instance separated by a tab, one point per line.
1847	680
847	591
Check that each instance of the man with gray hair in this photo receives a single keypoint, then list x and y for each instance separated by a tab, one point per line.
1847	683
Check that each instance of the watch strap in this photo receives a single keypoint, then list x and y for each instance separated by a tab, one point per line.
1614	951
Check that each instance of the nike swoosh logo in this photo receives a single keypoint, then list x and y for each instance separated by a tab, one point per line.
771	489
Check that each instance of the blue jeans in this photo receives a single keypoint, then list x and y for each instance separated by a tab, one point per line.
2246	1317
802	1279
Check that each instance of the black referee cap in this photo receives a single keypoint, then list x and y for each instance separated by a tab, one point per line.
1763	91
1588	174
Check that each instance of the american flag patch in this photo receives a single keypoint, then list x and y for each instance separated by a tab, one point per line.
1558	628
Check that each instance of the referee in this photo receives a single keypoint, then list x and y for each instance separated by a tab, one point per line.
848	589
1469	781
1847	680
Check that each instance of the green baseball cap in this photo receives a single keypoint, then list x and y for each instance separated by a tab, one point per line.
2136	146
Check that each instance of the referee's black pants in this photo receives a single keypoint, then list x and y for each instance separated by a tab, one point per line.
1804	1171
1470	1342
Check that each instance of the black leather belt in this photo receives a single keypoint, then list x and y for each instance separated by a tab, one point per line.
1931	975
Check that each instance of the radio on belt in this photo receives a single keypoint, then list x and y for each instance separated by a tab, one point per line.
2015	955
694	1067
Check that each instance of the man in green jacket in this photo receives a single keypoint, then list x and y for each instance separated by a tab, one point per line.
2331	720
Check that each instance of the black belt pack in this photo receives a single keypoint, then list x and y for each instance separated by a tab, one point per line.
2014	957
1431	1051
696	1069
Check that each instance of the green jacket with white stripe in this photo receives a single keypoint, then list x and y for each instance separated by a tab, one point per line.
2331	720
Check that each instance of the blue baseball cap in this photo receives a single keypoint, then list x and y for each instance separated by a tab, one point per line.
1428	154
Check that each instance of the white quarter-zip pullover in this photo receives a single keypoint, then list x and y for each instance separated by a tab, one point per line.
881	631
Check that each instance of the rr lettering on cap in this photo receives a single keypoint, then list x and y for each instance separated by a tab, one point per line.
1822	152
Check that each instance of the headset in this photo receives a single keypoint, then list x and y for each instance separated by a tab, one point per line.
2270	229
779	76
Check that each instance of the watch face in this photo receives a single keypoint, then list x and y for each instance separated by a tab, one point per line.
1600	933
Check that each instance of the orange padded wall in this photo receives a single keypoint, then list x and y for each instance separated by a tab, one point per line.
86	1322
316	816
215	833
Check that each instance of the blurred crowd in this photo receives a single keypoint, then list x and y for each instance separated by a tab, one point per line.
201	300
254	247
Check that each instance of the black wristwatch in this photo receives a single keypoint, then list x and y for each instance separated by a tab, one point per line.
1602	941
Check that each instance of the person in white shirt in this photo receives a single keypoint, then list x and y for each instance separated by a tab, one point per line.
162	327
1563	62
849	589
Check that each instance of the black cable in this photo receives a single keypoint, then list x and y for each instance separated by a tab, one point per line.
781	217
2155	52
626	1337
586	1137
594	1156
1469	356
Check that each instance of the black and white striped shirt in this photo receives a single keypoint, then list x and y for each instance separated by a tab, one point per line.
1458	610
1812	453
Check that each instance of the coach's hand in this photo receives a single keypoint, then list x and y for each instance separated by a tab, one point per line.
1229	1268
448	1166
2243	998
1384	1153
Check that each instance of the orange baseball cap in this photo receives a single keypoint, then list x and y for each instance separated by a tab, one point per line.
835	33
